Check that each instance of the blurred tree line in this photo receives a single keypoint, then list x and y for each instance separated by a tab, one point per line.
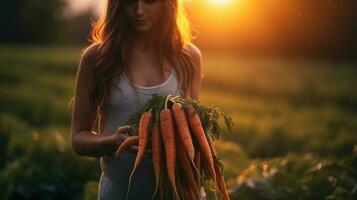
41	22
320	28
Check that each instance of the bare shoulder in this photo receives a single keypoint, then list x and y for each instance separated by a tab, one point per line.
89	55
196	56
194	51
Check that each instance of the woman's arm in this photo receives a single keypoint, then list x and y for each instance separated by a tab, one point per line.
86	142
197	77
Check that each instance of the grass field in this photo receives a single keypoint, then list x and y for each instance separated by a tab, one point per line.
295	134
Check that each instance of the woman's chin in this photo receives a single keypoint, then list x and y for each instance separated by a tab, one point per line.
142	28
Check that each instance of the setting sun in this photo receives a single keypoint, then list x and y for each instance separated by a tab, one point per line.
220	2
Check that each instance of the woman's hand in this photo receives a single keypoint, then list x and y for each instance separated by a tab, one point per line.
122	134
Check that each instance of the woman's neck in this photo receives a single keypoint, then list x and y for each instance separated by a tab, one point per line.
141	42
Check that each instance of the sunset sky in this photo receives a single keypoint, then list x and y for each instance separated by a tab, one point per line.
82	5
263	24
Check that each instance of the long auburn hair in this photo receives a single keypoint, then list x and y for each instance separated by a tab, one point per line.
112	34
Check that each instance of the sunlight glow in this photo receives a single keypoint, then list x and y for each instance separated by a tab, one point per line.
220	2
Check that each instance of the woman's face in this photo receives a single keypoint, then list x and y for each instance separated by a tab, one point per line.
142	15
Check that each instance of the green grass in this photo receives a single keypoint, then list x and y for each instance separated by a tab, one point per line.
295	136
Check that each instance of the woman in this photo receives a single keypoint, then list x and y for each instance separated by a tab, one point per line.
139	47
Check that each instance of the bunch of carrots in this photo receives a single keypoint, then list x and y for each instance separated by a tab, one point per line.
181	132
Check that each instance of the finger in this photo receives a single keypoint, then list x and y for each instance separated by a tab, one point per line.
134	148
124	128
124	136
148	151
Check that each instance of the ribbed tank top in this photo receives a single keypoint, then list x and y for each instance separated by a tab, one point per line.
116	171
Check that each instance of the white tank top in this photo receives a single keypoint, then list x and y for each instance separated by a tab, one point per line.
116	171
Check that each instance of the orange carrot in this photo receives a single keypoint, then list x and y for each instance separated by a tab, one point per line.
184	132
187	193
220	179
196	126
156	153
197	161
211	147
184	192
191	194
186	167
143	138
221	184
179	182
127	143
168	137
